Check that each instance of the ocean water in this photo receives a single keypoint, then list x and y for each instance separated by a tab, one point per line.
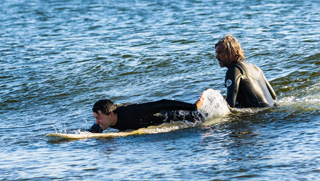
57	57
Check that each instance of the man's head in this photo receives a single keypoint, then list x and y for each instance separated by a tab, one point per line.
103	112
228	50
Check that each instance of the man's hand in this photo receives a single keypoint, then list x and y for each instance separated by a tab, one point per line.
95	128
200	102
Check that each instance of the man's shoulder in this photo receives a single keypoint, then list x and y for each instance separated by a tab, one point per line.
235	68
244	67
123	104
128	108
241	64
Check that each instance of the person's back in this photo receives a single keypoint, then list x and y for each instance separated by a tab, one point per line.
135	116
247	85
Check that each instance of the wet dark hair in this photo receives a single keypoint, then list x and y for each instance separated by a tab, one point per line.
105	106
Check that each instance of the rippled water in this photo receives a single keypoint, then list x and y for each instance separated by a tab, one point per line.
57	57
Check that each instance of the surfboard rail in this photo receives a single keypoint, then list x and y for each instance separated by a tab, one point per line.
86	135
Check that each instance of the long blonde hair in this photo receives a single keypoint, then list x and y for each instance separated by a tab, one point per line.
233	47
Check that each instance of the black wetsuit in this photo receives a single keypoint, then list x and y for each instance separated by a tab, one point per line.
135	116
248	87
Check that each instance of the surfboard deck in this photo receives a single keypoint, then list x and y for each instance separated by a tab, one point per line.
86	135
166	127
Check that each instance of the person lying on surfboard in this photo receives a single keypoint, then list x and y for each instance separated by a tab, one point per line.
135	116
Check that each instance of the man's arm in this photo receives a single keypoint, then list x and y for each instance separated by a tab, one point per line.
164	104
272	92
232	82
132	116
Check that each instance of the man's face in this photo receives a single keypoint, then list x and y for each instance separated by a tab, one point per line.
221	55
104	121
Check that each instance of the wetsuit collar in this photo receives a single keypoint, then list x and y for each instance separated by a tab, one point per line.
232	63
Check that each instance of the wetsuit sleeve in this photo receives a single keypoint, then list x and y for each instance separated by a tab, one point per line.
95	128
232	82
134	116
272	92
157	106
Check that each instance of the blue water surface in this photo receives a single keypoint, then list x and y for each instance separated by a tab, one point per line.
57	57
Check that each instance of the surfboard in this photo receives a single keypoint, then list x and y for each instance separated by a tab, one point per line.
166	127
86	135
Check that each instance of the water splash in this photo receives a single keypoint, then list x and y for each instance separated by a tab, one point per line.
60	127
214	105
166	127
213	110
78	131
309	97
54	128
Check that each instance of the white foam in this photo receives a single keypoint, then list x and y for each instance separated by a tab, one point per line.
167	127
309	96
214	105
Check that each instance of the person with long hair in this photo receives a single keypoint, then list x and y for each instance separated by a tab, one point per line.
246	83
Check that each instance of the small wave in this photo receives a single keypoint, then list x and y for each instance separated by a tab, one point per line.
311	96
